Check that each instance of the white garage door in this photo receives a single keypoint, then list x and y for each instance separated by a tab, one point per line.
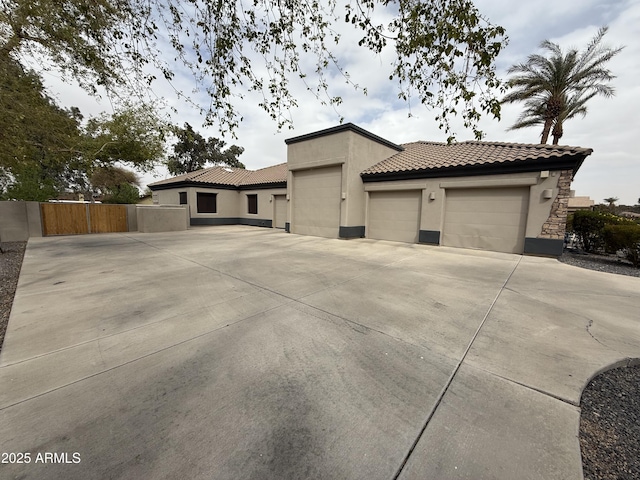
316	201
280	211
394	215
486	218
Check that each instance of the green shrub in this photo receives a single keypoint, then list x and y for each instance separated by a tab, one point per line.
625	238
589	227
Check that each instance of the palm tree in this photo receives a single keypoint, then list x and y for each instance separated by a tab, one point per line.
556	89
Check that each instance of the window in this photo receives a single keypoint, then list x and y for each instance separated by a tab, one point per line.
252	201
206	202
183	198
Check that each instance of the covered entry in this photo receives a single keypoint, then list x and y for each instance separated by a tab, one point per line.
486	218
316	201
394	215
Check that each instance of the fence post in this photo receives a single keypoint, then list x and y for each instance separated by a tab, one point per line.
87	212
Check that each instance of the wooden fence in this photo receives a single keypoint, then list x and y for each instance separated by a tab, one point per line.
81	218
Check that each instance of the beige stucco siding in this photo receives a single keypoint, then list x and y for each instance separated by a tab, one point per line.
363	153
230	204
351	153
265	202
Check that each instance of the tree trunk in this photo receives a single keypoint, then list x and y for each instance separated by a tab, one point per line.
545	131
557	132
552	111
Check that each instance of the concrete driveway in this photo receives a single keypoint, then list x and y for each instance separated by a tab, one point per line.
248	353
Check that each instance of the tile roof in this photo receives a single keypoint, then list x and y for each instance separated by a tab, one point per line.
274	174
421	156
235	177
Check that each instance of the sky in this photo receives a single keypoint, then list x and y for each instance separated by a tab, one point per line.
611	127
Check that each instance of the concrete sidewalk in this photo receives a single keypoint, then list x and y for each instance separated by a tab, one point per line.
248	353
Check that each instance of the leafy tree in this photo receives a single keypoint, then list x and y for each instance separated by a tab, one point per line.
123	193
116	184
29	183
47	149
39	139
556	88
444	50
133	136
192	152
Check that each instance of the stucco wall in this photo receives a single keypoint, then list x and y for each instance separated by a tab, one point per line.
354	153
363	153
226	201
266	207
231	205
158	218
19	221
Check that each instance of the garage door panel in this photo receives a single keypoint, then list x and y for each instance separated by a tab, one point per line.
487	219
316	201
482	218
484	242
394	216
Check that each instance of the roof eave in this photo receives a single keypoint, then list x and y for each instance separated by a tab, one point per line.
219	186
191	183
263	186
566	162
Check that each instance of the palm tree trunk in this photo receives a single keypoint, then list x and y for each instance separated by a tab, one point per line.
545	131
557	132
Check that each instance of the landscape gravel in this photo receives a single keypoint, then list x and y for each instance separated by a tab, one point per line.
601	263
610	405
10	264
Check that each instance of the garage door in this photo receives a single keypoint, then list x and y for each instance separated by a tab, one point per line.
394	215
280	211
316	201
486	218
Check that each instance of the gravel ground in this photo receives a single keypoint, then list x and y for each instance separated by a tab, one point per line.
601	263
10	263
610	417
610	425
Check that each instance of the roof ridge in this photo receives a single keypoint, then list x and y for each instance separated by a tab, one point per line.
424	142
540	146
270	166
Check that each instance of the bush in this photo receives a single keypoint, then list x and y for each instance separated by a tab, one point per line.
589	227
625	238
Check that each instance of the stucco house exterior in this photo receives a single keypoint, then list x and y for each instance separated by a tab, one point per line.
228	196
345	182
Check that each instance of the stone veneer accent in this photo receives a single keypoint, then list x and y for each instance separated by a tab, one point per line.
555	225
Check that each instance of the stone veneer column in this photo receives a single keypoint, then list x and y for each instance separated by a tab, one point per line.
554	227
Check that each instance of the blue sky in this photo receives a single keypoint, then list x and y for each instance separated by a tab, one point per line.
610	128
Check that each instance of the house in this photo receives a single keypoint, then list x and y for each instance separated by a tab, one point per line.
346	182
579	203
228	196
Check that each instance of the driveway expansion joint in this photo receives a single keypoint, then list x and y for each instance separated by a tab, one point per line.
453	374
